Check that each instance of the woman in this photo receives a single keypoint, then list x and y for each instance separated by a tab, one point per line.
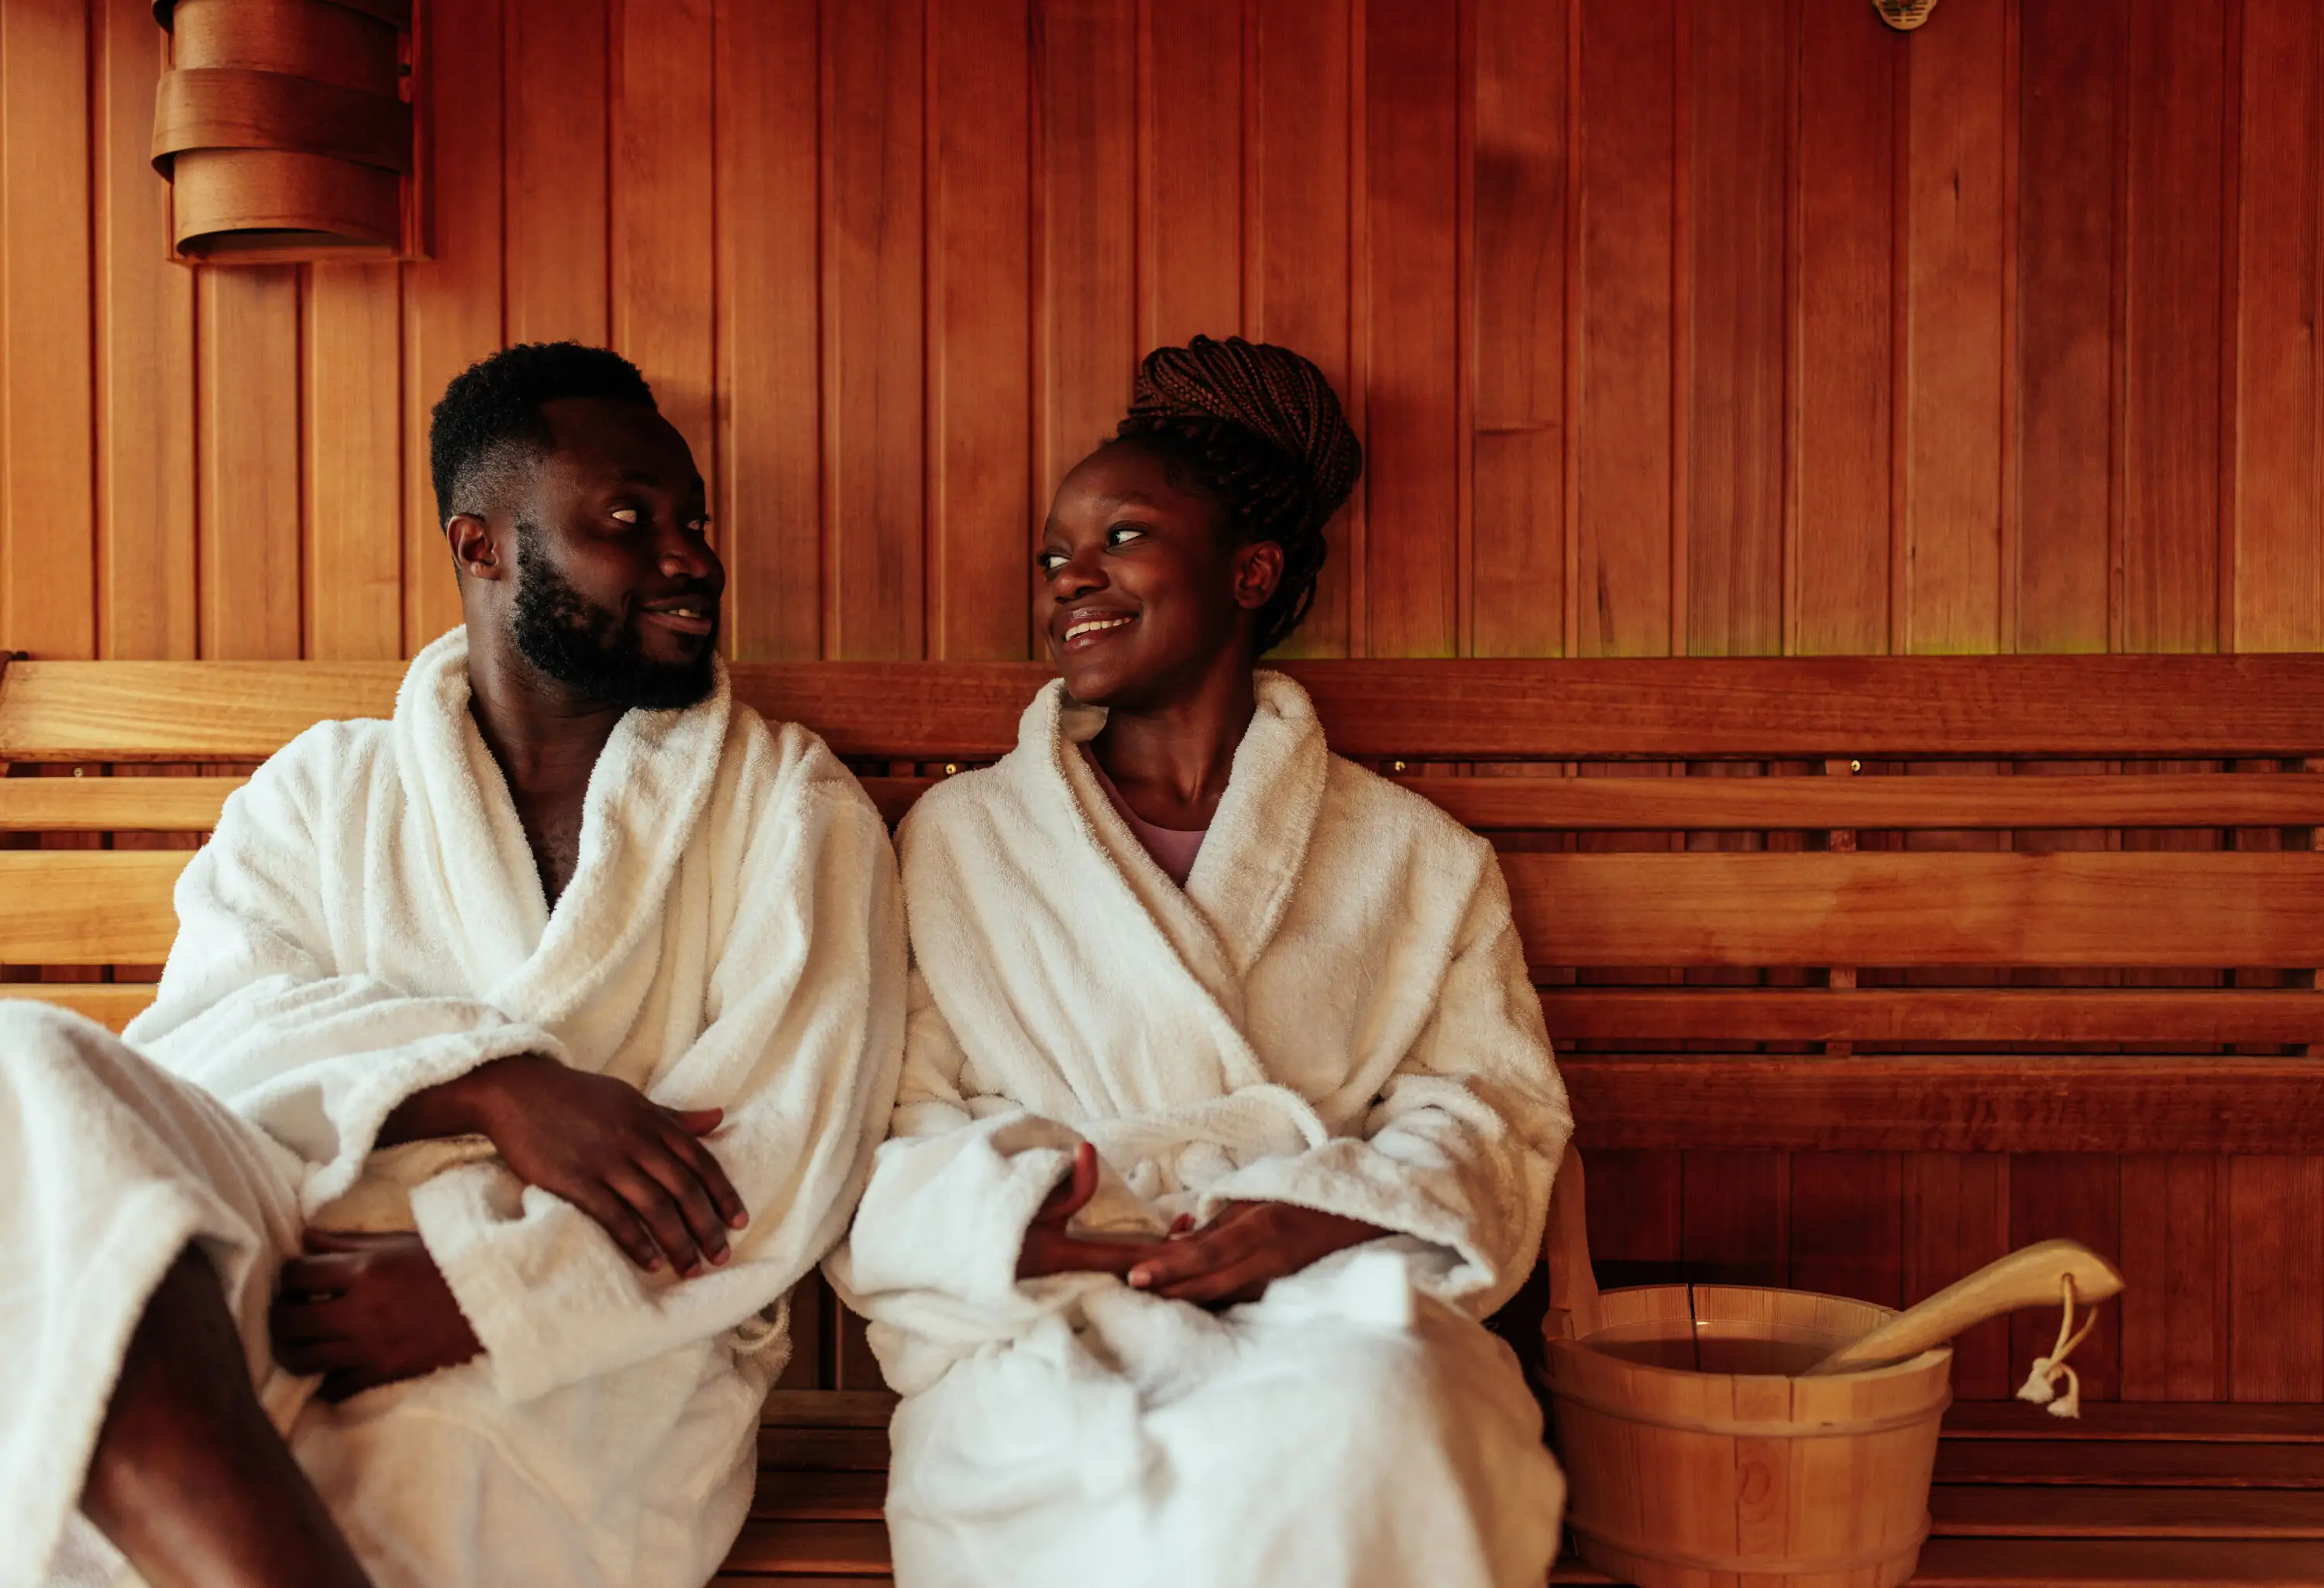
1227	1109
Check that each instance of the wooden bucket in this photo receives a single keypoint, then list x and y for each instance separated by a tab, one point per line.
1686	1477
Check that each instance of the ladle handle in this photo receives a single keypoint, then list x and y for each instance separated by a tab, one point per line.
1573	1282
2031	1276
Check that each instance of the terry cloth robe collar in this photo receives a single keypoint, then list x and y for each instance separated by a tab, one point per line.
1226	914
647	792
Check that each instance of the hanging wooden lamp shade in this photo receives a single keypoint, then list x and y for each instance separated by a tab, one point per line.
286	129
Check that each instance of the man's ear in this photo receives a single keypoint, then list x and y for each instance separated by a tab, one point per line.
473	549
1259	569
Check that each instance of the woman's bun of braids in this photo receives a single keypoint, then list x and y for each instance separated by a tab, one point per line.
1257	429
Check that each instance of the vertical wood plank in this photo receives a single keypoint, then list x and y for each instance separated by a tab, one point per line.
663	299
48	540
1298	247
2066	295
1739	133
452	301
556	68
2078	1195
1957	1219
1626	81
2276	1342
1517	541
1635	1217
769	316
872	315
354	473
1840	440
1848	1224
2174	1255
982	496
1085	330
1412	461
250	539
2279	555
1736	1217
144	361
1951	568
2172	326
1190	91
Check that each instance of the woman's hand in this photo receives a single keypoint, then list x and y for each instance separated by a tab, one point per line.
1049	1249
1250	1245
600	1143
366	1310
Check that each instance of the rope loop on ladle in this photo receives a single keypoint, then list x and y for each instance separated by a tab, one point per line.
2041	1386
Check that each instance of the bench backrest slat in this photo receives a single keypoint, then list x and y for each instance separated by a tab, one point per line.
2121	910
1977	707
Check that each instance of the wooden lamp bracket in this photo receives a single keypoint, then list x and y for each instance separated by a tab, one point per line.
290	130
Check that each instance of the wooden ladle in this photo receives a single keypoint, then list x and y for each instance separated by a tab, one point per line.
2031	1276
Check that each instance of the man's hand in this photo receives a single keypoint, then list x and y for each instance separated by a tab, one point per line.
1244	1250
603	1145
366	1310
1049	1249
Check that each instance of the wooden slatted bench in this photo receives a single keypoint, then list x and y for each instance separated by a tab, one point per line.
1879	905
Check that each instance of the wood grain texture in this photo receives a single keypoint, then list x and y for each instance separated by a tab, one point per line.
1840	433
251	539
2189	1021
661	189
1744	709
1412	456
1623	438
2077	1110
770	503
1298	279
1919	909
1517	534
105	805
1190	100
88	906
452	299
2277	557
352	471
557	242
982	492
1738	126
2066	232
111	1005
1085	248
1949	572
145	432
873	410
48	541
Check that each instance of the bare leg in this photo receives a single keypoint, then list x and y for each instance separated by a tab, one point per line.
189	1480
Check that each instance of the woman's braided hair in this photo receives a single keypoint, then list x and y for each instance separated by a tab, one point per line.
1255	429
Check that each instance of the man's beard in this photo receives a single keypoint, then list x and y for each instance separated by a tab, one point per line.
589	648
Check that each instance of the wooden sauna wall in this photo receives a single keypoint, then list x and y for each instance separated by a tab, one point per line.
1673	327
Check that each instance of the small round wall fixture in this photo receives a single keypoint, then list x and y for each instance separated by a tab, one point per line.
286	130
1903	15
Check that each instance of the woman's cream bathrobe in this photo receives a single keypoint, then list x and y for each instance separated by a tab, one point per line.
368	922
1334	1012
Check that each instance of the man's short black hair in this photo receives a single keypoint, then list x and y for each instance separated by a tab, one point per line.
490	417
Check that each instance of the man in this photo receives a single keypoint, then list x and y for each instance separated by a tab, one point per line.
514	1059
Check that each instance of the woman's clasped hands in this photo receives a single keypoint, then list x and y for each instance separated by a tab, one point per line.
1230	1259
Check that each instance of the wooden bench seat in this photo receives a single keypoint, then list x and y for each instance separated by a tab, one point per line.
2132	1494
2048	905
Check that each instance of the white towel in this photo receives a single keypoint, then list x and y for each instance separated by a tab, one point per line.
1334	1012
368	921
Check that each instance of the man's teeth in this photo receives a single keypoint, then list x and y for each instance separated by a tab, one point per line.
1091	625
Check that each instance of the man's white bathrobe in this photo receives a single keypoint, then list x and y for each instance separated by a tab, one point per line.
1334	1012
368	922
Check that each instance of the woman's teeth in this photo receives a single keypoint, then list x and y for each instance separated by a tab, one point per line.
1091	625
